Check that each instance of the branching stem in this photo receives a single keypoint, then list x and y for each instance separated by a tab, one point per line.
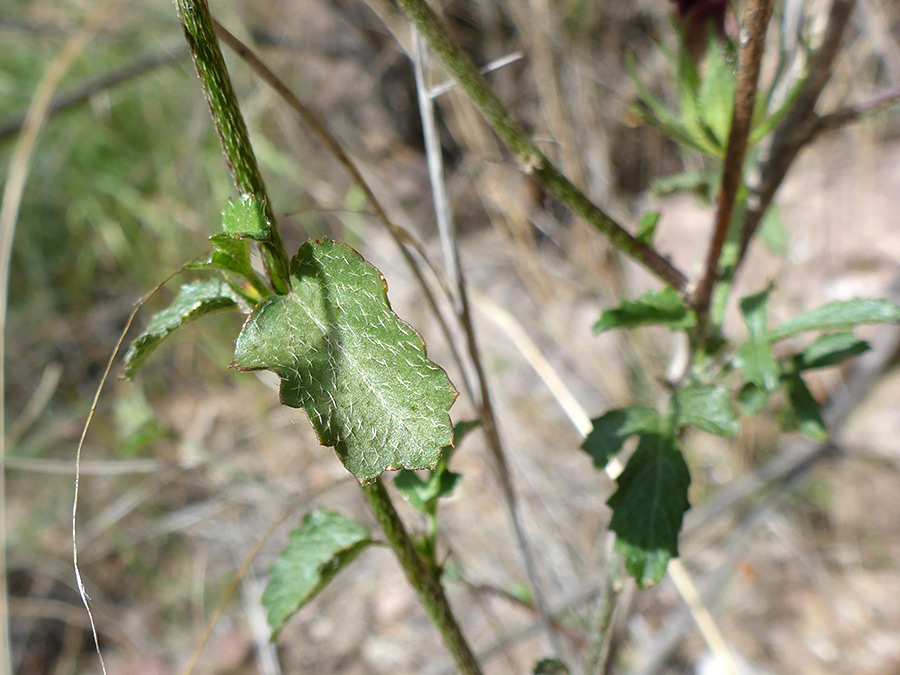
223	105
531	160
423	581
752	41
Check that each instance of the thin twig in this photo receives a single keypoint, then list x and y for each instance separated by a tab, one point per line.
450	250
752	42
851	113
793	133
531	160
17	176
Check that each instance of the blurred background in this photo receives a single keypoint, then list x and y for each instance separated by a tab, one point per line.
796	547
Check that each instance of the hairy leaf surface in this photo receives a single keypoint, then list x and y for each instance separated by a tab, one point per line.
831	349
322	546
193	300
360	373
649	505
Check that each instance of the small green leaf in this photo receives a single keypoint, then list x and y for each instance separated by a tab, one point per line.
229	253
759	364
648	507
755	309
246	218
647	226
839	315
612	429
193	300
716	93
322	546
361	373
550	667
705	407
653	307
830	350
752	399
802	413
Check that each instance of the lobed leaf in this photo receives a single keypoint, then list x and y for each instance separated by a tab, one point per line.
322	546
649	505
193	300
360	373
706	407
611	430
246	218
839	315
653	307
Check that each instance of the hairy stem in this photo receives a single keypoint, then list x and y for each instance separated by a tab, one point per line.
530	158
223	104
753	31
423	581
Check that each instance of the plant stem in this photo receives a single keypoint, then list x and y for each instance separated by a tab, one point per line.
223	105
755	22
530	158
426	585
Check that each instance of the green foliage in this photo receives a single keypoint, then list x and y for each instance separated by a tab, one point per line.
550	667
322	546
611	430
839	315
649	505
802	412
830	349
653	307
193	300
752	399
423	495
360	373
246	219
647	227
706	407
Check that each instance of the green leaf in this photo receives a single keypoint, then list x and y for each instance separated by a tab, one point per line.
705	407
230	254
648	507
759	364
550	667
193	300
246	218
715	96
752	399
361	373
802	413
653	307
422	494
647	226
755	309
611	430
322	546
830	350
839	315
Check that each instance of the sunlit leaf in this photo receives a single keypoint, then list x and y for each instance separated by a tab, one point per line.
706	407
360	373
839	315
752	399
759	364
246	218
322	546
649	505
193	300
653	307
